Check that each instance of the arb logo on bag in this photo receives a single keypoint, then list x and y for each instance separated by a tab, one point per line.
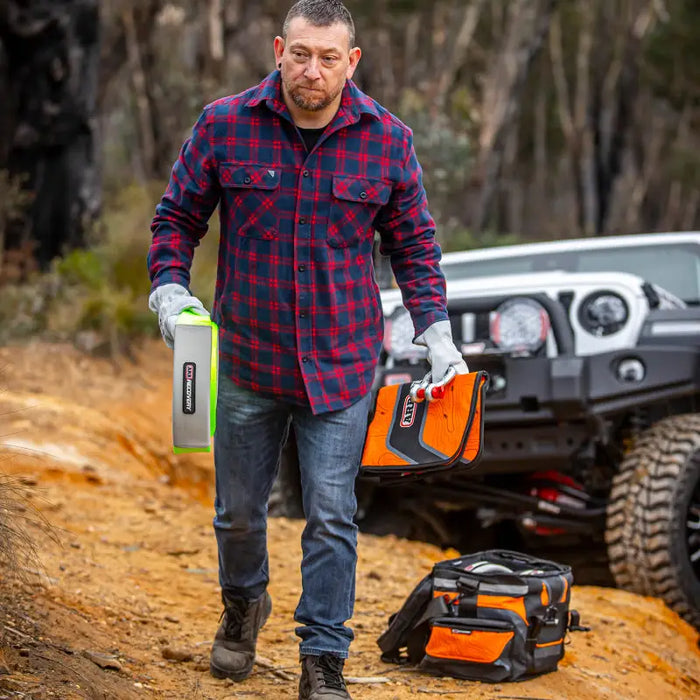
408	414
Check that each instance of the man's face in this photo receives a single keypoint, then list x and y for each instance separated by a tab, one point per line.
316	62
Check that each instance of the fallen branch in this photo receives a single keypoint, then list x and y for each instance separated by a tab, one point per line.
404	668
17	632
367	680
278	671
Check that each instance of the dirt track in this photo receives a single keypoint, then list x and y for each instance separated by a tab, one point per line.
126	603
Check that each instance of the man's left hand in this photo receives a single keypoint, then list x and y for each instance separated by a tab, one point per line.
442	353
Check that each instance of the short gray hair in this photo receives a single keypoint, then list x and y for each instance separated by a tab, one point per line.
321	13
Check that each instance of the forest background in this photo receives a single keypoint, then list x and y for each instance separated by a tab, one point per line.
533	120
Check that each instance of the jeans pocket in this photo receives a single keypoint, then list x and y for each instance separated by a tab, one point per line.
251	193
355	203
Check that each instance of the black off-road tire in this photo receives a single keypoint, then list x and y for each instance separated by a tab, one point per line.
653	516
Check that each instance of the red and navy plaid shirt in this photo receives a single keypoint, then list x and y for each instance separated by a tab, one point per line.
296	299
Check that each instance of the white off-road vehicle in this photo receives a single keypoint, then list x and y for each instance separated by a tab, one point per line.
592	430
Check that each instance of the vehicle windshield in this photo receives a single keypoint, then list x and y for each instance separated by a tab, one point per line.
674	267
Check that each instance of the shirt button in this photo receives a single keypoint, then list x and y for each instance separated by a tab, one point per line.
301	268
302	219
247	181
306	173
305	359
363	195
302	314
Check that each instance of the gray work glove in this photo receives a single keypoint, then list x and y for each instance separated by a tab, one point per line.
442	352
169	301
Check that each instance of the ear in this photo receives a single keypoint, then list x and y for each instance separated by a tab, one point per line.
279	49
353	59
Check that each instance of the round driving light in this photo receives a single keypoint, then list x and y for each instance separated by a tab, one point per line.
519	325
603	313
631	370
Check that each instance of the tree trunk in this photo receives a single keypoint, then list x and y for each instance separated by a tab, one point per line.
597	118
456	54
147	160
528	25
573	116
216	36
48	142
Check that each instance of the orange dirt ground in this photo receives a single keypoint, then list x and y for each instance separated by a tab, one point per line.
123	601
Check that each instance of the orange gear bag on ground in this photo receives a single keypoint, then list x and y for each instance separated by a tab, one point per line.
490	616
409	439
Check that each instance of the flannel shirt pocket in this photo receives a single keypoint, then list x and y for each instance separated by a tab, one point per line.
251	193
355	203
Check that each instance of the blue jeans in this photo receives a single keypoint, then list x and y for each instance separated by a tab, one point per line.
250	432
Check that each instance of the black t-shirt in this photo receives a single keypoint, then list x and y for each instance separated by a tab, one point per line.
311	136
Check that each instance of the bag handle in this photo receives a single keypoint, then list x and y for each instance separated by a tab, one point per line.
575	622
468	584
514	556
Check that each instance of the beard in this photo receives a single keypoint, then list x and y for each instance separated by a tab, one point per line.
311	101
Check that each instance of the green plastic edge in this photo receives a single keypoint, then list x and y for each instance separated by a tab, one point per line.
195	319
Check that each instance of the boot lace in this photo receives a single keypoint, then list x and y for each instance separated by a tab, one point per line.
331	669
233	616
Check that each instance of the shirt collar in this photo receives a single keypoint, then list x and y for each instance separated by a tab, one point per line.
353	102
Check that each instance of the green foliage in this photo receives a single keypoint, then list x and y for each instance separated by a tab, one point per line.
13	201
98	297
13	197
672	57
684	166
81	268
78	300
94	297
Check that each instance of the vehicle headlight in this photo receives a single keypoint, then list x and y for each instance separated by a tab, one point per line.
398	337
519	324
603	313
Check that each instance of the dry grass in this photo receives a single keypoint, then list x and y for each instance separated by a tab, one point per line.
21	523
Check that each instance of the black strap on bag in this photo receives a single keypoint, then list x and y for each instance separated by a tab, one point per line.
402	622
417	636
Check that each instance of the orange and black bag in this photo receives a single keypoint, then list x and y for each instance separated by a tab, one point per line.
408	438
492	616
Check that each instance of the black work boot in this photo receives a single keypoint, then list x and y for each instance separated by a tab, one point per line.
322	678
233	651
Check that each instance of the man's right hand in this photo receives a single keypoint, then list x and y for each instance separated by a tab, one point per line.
169	301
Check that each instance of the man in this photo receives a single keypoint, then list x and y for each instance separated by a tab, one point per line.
304	168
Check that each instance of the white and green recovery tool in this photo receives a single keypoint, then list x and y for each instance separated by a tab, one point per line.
195	381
